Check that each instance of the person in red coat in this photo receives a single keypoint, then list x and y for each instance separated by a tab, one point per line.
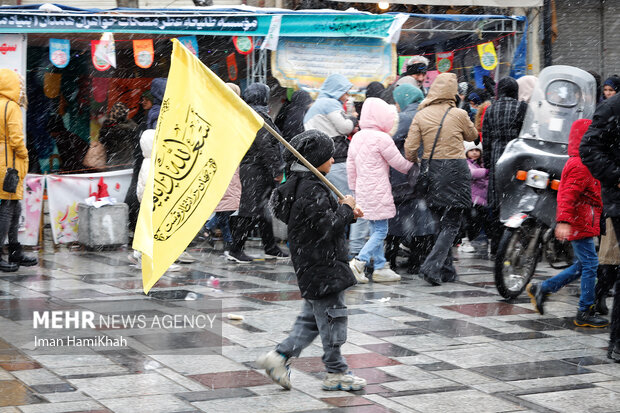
578	221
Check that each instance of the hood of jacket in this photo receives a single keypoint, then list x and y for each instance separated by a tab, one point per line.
508	88
335	86
146	142
526	87
443	90
256	95
378	115
406	94
301	99
158	87
10	85
577	130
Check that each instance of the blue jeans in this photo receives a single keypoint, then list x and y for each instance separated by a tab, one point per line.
221	221
357	236
586	263
373	248
338	176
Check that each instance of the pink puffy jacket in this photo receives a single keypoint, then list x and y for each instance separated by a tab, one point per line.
371	153
230	200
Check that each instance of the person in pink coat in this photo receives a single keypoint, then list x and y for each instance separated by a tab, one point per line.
371	153
227	206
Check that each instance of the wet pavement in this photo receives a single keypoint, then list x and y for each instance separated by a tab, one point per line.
454	348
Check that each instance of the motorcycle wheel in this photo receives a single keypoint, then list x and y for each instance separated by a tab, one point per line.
514	267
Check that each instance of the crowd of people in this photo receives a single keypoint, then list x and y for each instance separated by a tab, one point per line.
420	175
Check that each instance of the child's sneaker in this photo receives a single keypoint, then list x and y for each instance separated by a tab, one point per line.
136	259
385	275
186	258
174	268
358	267
537	297
277	368
466	246
589	318
343	381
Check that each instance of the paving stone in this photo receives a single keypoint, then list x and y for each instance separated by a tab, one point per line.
150	404
279	403
126	386
466	401
577	401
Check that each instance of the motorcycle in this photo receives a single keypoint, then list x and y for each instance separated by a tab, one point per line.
528	173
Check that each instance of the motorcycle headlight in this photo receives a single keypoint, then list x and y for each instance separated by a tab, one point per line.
537	179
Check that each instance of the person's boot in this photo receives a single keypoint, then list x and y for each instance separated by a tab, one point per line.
391	249
16	255
8	266
605	278
588	318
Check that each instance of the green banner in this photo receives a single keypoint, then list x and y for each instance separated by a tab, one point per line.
307	25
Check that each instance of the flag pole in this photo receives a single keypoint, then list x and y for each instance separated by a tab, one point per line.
303	160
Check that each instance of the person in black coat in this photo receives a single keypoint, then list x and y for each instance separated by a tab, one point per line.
261	168
118	136
293	118
413	224
71	147
600	152
316	229
502	123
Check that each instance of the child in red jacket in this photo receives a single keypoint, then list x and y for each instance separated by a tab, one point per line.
578	221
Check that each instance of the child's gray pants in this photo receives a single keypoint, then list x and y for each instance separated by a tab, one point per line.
326	317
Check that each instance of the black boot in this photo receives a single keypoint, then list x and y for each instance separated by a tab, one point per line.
391	249
605	278
588	318
7	266
16	255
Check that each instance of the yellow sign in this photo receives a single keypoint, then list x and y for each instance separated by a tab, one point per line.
488	57
203	131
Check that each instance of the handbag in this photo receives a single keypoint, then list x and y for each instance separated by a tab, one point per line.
423	181
11	178
95	156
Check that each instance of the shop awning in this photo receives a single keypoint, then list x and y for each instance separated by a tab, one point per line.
232	21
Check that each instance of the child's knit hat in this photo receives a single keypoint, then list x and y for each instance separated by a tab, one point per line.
470	146
313	145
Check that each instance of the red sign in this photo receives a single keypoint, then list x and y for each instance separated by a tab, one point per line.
243	44
231	63
100	65
444	61
7	48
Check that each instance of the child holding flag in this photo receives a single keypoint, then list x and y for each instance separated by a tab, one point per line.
316	230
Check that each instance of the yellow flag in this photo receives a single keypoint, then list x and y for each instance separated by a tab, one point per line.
488	57
203	131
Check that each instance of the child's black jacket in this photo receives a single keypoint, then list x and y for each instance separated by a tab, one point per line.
316	233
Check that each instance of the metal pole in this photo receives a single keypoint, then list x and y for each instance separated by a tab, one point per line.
548	57
303	160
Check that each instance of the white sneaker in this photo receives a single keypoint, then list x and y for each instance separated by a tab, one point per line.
385	275
136	259
174	268
277	368
186	258
466	247
343	381
357	267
